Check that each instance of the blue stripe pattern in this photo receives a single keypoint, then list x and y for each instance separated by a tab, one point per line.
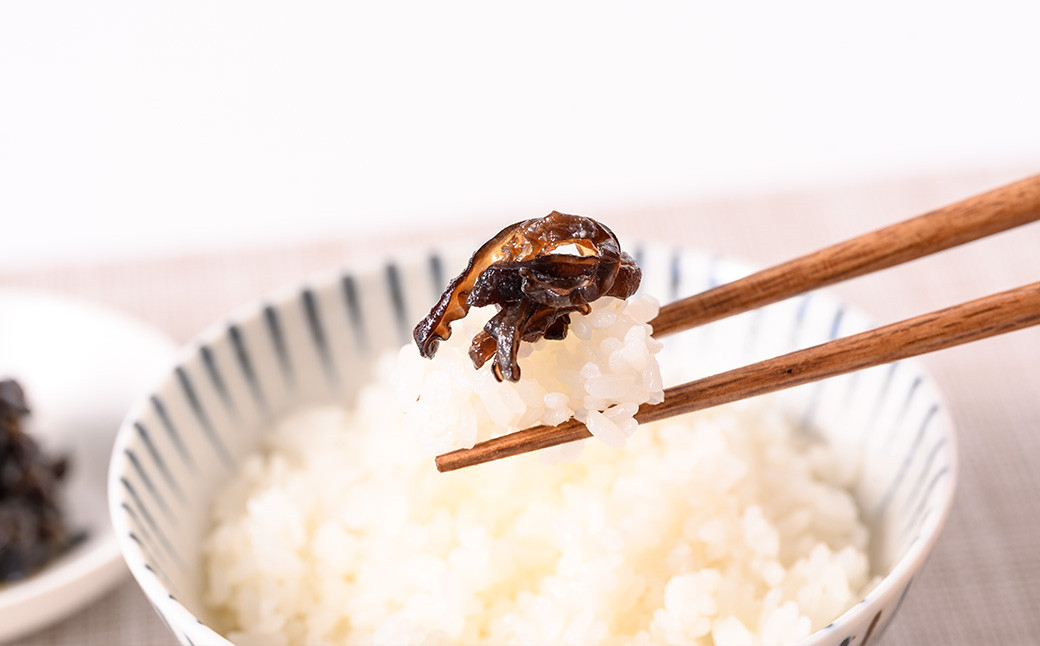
150	522
200	414
915	521
674	275
172	433
907	401
639	255
148	484
908	458
245	363
809	413
437	280
317	330
274	331
714	280
210	362
157	459
351	301
397	302
924	472
143	545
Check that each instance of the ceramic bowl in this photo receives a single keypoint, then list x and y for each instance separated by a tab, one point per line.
318	344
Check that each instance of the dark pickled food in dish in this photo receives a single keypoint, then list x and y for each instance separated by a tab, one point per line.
32	528
537	272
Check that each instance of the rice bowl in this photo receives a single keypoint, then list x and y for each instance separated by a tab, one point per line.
890	453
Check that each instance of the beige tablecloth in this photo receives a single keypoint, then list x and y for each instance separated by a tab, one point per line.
981	584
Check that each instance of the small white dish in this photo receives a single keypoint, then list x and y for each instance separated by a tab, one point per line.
81	365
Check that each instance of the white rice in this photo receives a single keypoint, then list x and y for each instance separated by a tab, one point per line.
600	373
721	527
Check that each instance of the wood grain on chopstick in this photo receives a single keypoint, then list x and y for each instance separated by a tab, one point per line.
976	217
1004	312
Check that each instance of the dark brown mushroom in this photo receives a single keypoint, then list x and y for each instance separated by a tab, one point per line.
534	286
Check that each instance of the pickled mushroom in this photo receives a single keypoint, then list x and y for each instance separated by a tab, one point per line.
32	527
537	272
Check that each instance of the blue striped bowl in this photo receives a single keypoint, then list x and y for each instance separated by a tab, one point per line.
318	344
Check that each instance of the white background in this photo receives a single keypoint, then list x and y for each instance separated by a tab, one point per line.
135	129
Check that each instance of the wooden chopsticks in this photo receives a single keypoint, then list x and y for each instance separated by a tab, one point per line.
977	217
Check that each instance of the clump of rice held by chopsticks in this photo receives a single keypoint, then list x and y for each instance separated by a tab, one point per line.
546	299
